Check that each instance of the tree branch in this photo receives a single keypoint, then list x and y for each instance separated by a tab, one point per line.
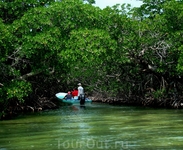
30	74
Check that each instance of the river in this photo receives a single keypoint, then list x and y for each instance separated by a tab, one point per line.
94	127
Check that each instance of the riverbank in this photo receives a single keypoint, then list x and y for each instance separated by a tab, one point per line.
15	108
139	101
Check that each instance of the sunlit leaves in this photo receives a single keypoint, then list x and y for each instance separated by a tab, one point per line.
17	89
91	43
5	35
14	10
89	50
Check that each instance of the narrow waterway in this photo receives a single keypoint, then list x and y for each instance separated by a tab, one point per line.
95	127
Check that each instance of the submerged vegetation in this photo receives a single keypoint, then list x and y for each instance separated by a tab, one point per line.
120	54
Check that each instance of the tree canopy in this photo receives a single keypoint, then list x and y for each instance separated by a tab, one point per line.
134	53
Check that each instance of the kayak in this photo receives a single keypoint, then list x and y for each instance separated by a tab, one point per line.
61	97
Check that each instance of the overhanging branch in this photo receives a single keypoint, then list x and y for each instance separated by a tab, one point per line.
30	74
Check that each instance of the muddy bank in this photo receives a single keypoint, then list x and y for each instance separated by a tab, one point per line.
139	101
35	104
15	108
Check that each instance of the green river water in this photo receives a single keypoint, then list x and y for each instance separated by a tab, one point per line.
95	127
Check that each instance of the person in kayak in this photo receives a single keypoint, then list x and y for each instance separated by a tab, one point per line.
81	95
69	95
74	93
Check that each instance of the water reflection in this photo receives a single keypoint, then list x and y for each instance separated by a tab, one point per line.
95	126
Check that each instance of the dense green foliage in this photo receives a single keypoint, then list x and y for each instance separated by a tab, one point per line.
48	46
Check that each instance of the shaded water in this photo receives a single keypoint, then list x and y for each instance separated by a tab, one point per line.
95	127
